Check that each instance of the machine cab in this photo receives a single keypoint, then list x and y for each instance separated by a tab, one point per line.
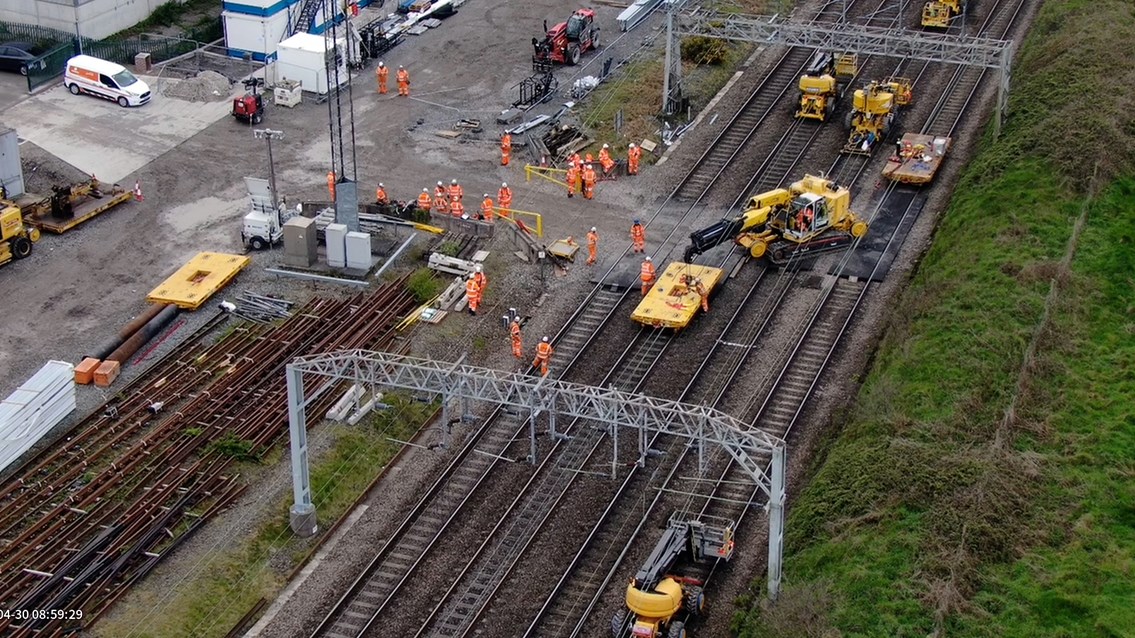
576	25
807	215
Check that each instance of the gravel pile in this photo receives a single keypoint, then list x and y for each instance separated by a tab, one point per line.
208	86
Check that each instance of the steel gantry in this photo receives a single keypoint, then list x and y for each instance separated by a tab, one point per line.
759	453
843	37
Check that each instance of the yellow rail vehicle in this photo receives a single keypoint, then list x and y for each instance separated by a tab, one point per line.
937	14
822	84
16	237
674	301
812	216
873	112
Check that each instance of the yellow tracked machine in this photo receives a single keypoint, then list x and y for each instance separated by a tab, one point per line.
937	14
810	217
822	84
873	112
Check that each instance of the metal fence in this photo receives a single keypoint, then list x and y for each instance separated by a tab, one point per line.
62	45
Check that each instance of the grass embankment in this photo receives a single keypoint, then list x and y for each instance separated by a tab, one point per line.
985	482
227	582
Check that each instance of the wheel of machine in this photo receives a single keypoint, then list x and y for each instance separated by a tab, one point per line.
677	630
73	88
829	107
23	69
847	120
573	55
257	118
757	250
595	39
781	255
859	229
123	103
258	243
617	621
21	247
695	600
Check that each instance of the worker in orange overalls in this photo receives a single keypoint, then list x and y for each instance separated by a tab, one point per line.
481	279
382	72
455	191
592	246
605	159
638	237
699	287
403	81
634	154
514	333
576	161
588	159
572	177
440	191
473	294
441	204
589	182
506	148
487	208
647	275
424	201
380	195
331	184
543	356
456	208
504	199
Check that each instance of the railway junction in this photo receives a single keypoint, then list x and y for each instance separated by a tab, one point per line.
517	504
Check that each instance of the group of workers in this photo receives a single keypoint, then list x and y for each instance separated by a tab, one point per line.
403	77
449	200
475	286
544	350
581	173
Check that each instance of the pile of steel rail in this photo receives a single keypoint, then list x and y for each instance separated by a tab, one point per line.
88	517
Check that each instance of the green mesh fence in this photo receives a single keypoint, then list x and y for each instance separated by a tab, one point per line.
62	45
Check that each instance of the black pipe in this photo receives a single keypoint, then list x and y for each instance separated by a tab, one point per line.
152	328
124	333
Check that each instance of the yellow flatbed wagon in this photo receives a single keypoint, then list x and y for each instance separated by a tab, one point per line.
197	280
671	302
916	158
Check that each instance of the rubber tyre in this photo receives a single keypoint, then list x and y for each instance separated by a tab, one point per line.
859	229
595	39
617	621
847	120
21	247
257	118
677	629
694	601
73	88
24	70
572	57
758	249
123	103
258	243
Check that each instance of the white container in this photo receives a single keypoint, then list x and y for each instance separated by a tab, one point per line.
336	245
358	250
256	35
939	146
287	93
301	57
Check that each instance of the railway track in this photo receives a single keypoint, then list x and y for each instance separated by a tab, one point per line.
91	517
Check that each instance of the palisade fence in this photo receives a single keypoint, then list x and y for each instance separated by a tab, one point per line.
61	45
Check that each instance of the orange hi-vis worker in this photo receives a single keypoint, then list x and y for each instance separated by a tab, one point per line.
589	159
605	159
592	246
699	287
441	204
382	72
506	148
634	154
380	194
544	354
589	178
424	200
504	199
572	178
456	208
473	294
403	81
638	237
331	184
441	191
514	333
455	191
481	279
647	275
487	208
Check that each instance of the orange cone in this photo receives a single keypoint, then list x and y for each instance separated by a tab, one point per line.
138	192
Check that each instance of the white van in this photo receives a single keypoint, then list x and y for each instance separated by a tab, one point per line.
106	80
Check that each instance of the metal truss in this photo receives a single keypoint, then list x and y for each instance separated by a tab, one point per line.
760	454
843	37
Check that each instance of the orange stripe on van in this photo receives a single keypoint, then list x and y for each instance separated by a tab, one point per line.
84	73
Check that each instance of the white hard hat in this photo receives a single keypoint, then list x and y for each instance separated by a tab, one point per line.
439	182
593	229
486	196
380	185
380	63
605	146
470	276
453	182
426	191
648	257
632	145
545	340
504	184
478	267
399	66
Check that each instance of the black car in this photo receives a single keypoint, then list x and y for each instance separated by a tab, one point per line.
14	56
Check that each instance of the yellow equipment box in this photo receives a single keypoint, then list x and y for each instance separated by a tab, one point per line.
672	302
197	280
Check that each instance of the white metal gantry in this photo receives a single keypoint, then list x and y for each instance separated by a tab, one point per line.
751	448
844	37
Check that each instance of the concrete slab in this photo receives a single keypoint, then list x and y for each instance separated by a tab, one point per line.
104	139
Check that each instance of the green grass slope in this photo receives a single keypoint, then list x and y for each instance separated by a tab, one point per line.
985	483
